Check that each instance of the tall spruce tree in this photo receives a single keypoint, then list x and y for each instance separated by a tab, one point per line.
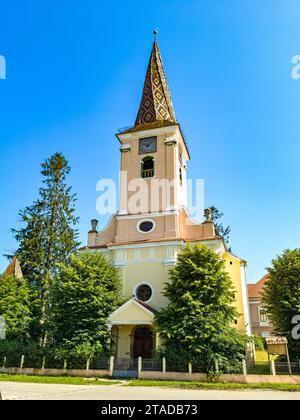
197	324
48	235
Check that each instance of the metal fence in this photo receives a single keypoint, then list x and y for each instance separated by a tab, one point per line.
243	367
99	362
258	368
283	368
102	362
152	364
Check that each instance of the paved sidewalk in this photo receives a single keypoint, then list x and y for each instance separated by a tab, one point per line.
31	391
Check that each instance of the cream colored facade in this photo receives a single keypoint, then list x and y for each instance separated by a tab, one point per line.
145	257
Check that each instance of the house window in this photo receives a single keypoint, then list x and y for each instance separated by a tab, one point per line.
143	292
147	167
263	317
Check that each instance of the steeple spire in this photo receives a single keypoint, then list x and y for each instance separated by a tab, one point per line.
156	104
14	269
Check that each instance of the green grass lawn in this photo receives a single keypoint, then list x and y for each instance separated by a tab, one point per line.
67	380
212	385
63	380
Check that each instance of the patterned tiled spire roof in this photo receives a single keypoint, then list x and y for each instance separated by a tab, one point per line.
14	269
156	104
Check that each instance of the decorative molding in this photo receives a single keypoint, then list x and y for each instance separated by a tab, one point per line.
125	148
120	258
152	254
171	129
170	262
171	141
148	245
126	216
134	322
137	254
142	261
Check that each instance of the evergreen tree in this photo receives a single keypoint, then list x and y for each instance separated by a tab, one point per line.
281	296
15	306
85	292
197	324
48	235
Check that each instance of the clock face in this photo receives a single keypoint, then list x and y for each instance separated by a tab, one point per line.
148	145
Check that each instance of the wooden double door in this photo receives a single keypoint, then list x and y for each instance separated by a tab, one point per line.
143	342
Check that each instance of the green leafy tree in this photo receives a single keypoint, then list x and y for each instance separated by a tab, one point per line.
48	235
15	306
85	292
221	230
197	324
281	296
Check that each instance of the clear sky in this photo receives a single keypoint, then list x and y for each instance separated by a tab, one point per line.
75	70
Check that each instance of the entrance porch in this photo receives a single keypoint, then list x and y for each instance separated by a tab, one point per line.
132	330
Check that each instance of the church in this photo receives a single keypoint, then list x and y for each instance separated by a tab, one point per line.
143	241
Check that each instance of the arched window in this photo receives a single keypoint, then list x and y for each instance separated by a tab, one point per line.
147	167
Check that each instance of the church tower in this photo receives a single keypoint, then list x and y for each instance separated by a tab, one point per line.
155	149
152	224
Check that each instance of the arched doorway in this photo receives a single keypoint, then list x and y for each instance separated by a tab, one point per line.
143	342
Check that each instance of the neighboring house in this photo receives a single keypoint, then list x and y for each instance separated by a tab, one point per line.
144	243
259	320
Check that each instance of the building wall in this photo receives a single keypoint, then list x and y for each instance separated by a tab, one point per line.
257	327
123	346
146	265
166	164
233	267
151	264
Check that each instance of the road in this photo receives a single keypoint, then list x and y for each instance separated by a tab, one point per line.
31	391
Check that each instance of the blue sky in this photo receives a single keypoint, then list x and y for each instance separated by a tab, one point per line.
75	71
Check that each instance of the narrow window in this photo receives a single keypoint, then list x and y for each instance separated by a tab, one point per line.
180	175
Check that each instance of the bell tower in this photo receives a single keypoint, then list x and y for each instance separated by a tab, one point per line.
154	153
153	173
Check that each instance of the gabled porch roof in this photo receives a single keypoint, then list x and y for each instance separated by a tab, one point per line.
133	312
